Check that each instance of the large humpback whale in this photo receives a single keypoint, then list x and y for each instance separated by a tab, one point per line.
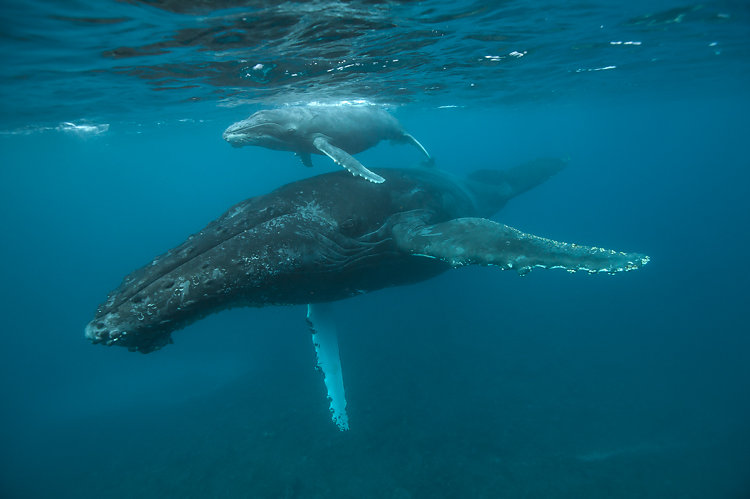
337	131
331	237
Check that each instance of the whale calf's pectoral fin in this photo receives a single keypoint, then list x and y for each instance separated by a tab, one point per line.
467	241
322	325
430	161
343	158
305	158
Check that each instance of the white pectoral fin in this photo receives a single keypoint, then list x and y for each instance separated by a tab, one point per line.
343	158
323	328
478	241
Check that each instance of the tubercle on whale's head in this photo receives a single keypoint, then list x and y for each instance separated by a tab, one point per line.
111	329
263	128
143	319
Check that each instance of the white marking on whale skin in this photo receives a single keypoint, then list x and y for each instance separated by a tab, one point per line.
181	289
217	274
311	211
97	333
237	211
287	256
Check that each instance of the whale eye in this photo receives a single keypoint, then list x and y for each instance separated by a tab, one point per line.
291	130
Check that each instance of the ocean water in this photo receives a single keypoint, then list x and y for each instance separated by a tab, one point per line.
477	383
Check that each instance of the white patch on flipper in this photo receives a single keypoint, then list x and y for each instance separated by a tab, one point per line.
324	336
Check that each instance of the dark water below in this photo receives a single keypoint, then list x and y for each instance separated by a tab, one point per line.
477	383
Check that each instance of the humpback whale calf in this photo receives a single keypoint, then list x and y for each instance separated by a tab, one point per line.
335	131
331	237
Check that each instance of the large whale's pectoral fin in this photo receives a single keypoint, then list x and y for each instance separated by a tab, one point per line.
409	138
323	328
343	158
467	241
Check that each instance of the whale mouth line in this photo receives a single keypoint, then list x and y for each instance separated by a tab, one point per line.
236	132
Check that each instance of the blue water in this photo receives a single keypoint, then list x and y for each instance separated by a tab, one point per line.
477	383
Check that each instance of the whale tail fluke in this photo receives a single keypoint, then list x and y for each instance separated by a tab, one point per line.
493	188
409	138
521	178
